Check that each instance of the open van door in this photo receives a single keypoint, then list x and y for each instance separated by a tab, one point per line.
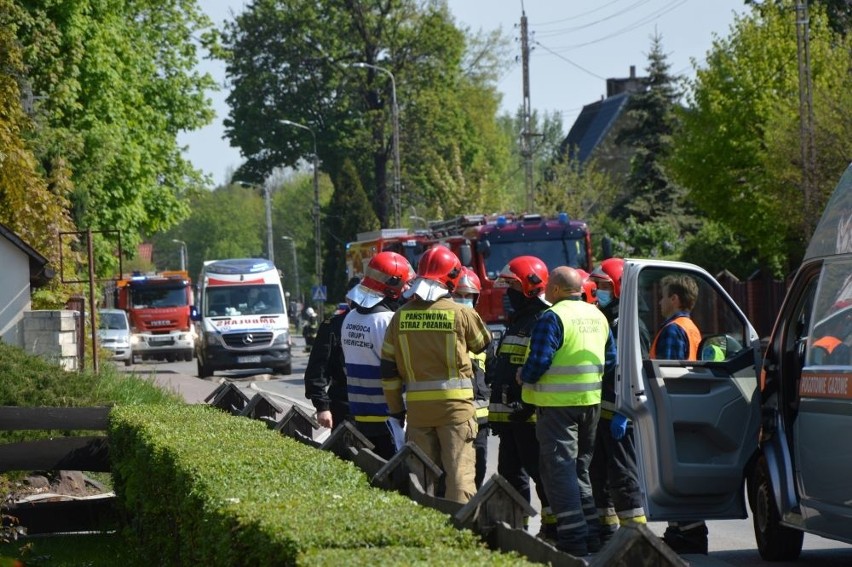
696	422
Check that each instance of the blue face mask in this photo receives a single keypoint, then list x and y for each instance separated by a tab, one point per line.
604	297
467	301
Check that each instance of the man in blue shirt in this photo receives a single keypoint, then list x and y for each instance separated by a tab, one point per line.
570	346
678	339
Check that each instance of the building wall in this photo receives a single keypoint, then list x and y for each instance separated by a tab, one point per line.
14	292
52	335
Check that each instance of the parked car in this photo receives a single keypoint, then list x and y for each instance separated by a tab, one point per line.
114	334
769	427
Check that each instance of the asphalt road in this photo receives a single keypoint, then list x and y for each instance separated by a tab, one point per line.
731	541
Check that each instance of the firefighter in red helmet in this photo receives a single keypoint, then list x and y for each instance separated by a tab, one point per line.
426	351
467	293
613	471
509	418
376	299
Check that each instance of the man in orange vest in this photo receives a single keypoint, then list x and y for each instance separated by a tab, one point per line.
678	339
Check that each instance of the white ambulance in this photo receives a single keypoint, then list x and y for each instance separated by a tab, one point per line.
772	429
241	317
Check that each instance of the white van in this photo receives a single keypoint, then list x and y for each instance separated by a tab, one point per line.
241	318
778	423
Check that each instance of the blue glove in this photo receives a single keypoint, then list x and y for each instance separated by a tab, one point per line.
618	426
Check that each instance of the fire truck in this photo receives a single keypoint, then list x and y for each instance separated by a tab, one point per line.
400	240
158	306
486	243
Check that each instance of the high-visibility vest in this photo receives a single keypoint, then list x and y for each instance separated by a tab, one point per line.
480	399
693	336
574	376
361	342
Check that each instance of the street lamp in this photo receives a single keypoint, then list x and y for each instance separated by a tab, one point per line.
317	232
270	251
183	254
397	189
295	266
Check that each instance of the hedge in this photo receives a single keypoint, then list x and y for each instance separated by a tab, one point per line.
200	486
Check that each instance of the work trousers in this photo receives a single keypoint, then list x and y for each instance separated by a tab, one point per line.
451	448
378	433
518	459
480	445
615	479
566	437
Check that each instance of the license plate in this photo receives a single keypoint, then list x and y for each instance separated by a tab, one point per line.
248	359
159	341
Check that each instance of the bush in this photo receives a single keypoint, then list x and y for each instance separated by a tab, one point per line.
204	487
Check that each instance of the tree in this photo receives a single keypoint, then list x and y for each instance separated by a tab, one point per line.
117	83
226	223
348	214
738	148
307	78
584	192
650	124
31	205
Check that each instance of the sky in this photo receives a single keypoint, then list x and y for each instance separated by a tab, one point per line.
576	45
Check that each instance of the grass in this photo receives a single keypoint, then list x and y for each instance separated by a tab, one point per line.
31	381
79	550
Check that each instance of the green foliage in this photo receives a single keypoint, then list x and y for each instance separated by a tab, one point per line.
236	490
630	239
410	556
348	214
91	550
716	247
738	148
651	120
31	381
118	83
228	222
35	207
445	95
582	191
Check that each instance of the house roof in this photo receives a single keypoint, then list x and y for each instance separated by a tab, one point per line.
592	125
40	273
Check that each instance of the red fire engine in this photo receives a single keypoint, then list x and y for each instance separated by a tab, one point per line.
400	240
157	306
486	244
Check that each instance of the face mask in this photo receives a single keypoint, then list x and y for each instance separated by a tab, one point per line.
604	297
466	301
516	298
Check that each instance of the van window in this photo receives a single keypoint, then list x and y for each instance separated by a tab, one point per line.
722	331
831	334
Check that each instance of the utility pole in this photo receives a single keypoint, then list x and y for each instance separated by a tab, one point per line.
806	115
526	134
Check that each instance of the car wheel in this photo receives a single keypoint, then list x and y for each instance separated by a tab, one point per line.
204	370
128	362
286	370
187	356
774	541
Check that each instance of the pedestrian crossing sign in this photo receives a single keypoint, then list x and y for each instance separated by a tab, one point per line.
318	293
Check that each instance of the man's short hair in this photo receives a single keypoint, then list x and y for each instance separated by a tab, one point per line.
684	286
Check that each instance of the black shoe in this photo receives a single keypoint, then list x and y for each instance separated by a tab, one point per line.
593	544
686	542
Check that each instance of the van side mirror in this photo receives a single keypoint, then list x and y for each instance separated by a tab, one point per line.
194	314
466	255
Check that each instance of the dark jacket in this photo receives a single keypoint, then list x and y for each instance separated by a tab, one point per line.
502	367
325	375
